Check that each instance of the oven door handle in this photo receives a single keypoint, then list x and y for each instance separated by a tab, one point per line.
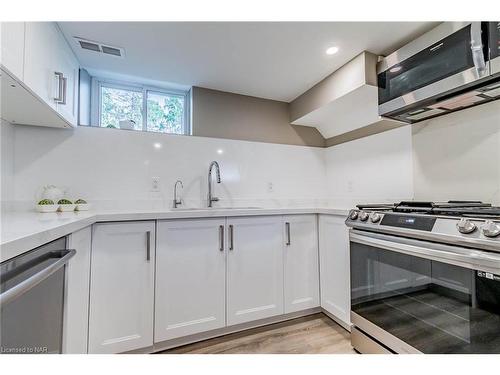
456	255
37	278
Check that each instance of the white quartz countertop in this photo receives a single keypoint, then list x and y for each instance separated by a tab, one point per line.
23	231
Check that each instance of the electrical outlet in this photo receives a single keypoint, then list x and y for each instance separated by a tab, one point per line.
350	186
270	187
155	184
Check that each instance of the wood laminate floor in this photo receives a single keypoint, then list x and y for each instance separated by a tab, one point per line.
314	334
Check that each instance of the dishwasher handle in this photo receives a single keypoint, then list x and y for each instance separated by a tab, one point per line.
28	284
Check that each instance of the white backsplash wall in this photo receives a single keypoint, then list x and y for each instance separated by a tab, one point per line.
7	158
108	165
452	157
458	156
373	169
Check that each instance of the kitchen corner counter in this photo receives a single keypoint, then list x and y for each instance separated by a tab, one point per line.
23	231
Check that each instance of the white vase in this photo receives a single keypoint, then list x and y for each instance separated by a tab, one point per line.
52	192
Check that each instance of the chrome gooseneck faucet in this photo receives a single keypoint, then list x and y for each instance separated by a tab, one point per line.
210	198
177	201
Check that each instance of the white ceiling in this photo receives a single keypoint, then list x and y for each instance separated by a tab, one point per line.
274	60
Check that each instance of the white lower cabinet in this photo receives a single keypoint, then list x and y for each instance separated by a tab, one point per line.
76	314
122	286
205	274
190	277
254	268
301	264
334	266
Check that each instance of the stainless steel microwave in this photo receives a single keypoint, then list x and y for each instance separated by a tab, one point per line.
454	66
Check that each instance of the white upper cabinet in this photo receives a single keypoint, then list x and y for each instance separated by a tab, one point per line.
67	64
40	61
190	277
334	266
12	47
301	262
122	287
51	69
254	268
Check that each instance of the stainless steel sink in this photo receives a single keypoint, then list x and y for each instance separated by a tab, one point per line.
214	208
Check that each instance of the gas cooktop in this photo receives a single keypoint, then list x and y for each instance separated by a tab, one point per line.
464	223
450	208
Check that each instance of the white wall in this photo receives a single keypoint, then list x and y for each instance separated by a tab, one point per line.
104	165
7	164
372	169
458	156
451	157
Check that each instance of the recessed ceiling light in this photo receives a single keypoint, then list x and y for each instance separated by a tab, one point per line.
332	50
220	151
157	145
395	69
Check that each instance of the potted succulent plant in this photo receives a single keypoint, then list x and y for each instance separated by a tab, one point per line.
46	205
82	205
66	205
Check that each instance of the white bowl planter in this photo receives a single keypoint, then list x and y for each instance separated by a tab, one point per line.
82	206
66	207
47	207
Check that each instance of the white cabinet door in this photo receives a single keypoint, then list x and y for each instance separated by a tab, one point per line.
190	277
12	47
40	60
121	287
68	65
301	262
334	266
254	268
76	317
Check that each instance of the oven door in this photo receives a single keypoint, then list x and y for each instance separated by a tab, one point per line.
453	62
416	296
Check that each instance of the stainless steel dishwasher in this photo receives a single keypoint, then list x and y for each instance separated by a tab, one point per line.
32	300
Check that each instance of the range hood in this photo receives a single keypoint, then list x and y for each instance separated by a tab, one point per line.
452	67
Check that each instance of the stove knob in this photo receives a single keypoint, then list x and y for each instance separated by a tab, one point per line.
466	226
354	214
491	229
363	216
375	217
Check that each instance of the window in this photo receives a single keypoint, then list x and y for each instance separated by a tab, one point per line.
120	105
165	112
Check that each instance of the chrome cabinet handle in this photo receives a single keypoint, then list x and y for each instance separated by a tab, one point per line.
60	89
476	46
231	238
148	245
37	278
64	90
221	237
288	240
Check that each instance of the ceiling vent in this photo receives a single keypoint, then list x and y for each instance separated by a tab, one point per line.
99	47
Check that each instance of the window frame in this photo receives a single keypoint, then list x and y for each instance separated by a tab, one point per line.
96	101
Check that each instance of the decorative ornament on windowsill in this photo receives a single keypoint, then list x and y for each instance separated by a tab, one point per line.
127	124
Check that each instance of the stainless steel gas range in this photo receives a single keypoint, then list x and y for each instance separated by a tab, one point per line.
425	277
